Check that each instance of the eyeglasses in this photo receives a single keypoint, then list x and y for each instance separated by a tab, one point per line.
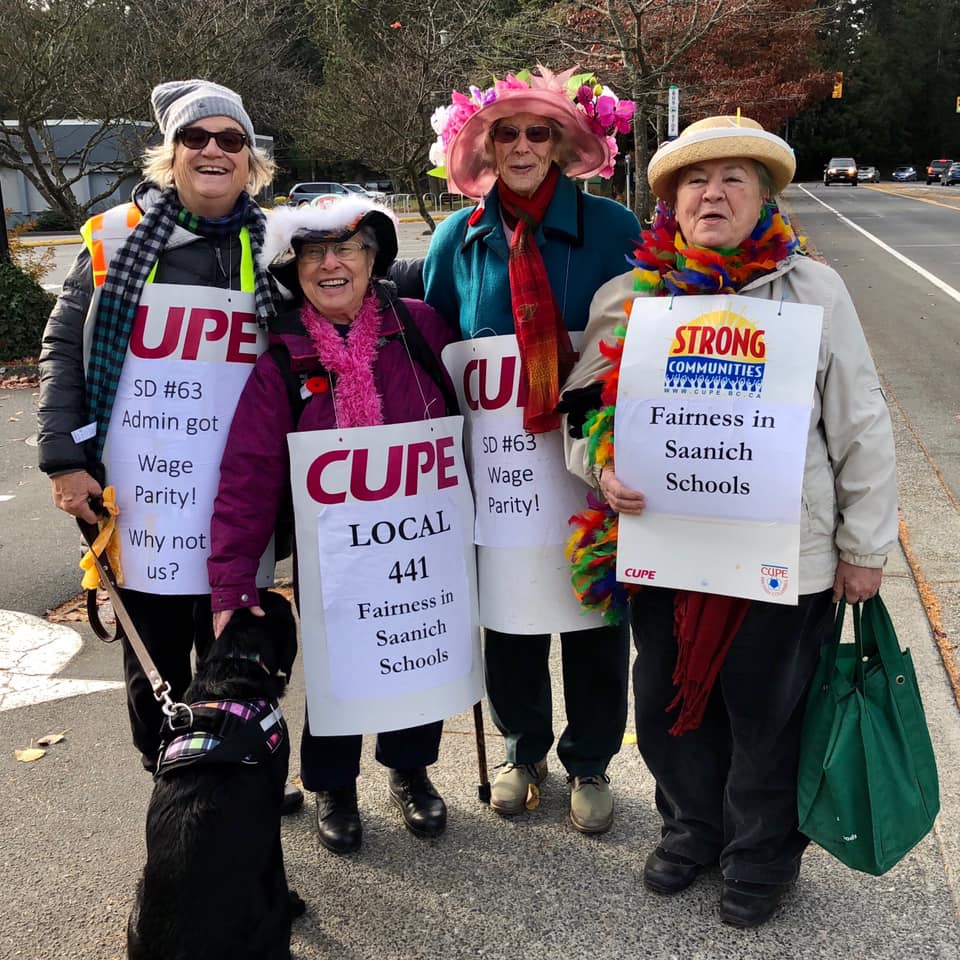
344	250
196	138
539	133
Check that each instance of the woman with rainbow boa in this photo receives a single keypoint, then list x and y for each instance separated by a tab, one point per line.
720	682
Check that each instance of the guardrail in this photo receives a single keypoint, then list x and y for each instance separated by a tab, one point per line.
439	203
456	201
401	202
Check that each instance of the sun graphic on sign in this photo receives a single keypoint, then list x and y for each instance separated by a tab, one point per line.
720	333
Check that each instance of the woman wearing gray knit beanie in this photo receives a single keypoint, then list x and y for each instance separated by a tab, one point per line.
156	329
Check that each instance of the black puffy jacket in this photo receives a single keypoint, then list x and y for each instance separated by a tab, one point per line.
187	259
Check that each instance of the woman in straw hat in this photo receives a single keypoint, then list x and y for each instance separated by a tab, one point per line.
726	766
527	261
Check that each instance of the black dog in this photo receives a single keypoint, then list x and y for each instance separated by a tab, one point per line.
214	885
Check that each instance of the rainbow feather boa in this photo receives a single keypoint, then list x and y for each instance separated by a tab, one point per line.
664	265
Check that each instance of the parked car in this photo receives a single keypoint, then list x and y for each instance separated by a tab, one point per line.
951	175
364	191
302	193
840	170
868	174
935	169
905	173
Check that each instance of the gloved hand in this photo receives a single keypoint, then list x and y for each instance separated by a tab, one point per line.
578	404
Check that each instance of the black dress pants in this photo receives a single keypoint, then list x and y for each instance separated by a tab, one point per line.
727	791
330	762
171	628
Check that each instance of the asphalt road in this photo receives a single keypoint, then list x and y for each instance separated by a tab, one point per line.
71	824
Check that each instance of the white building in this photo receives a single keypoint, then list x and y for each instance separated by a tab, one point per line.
103	153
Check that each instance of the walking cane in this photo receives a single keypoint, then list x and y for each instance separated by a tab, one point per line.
483	790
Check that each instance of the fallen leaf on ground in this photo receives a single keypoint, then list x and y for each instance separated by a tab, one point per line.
29	755
52	738
533	797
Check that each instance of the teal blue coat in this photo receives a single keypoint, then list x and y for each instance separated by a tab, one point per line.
584	241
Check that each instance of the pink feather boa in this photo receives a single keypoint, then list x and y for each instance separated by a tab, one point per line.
356	400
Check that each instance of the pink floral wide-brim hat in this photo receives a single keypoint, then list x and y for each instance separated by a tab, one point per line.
587	114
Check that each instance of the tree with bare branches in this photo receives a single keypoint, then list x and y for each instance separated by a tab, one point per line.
756	54
387	67
97	60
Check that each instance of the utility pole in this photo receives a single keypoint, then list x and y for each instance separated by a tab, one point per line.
4	243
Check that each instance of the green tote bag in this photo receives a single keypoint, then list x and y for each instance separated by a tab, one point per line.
867	788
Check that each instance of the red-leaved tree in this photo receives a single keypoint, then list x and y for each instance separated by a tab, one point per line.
758	55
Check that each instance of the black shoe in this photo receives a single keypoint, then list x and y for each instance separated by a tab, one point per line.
746	904
669	873
338	819
292	799
423	809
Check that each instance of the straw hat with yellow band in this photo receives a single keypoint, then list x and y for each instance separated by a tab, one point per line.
716	138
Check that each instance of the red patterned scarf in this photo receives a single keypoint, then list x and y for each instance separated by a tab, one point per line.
356	400
546	353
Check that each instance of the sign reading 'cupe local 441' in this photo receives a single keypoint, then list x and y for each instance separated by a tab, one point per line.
713	412
387	576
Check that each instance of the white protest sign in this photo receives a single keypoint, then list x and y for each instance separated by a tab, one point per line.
190	353
713	411
524	495
386	574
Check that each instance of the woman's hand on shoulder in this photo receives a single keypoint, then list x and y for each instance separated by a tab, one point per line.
621	498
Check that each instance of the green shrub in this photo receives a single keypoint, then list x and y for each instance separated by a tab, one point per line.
24	308
49	220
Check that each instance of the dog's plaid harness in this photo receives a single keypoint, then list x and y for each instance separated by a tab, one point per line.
225	731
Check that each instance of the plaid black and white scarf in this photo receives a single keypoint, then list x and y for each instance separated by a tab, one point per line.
126	276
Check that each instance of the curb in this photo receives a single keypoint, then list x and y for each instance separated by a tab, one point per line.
63	241
55	242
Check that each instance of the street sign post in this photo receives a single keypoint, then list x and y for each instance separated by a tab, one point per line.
4	243
673	112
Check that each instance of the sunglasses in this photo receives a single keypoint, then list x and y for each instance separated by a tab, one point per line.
539	133
196	138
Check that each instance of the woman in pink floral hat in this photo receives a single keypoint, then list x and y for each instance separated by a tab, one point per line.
525	263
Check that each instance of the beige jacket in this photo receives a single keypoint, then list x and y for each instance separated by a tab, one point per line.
849	498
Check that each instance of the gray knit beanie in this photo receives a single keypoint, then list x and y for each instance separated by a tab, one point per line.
179	103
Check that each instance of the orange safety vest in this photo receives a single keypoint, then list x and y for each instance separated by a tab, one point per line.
104	234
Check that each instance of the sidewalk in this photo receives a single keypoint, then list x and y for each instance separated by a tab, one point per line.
503	889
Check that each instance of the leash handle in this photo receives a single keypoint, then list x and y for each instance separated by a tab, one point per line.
125	626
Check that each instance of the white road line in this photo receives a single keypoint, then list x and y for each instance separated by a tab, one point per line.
31	650
926	274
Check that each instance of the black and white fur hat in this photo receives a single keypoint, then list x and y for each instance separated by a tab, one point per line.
332	220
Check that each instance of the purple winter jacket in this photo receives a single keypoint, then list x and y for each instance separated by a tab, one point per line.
255	469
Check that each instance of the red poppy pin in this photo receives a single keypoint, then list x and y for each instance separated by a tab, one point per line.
317	384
